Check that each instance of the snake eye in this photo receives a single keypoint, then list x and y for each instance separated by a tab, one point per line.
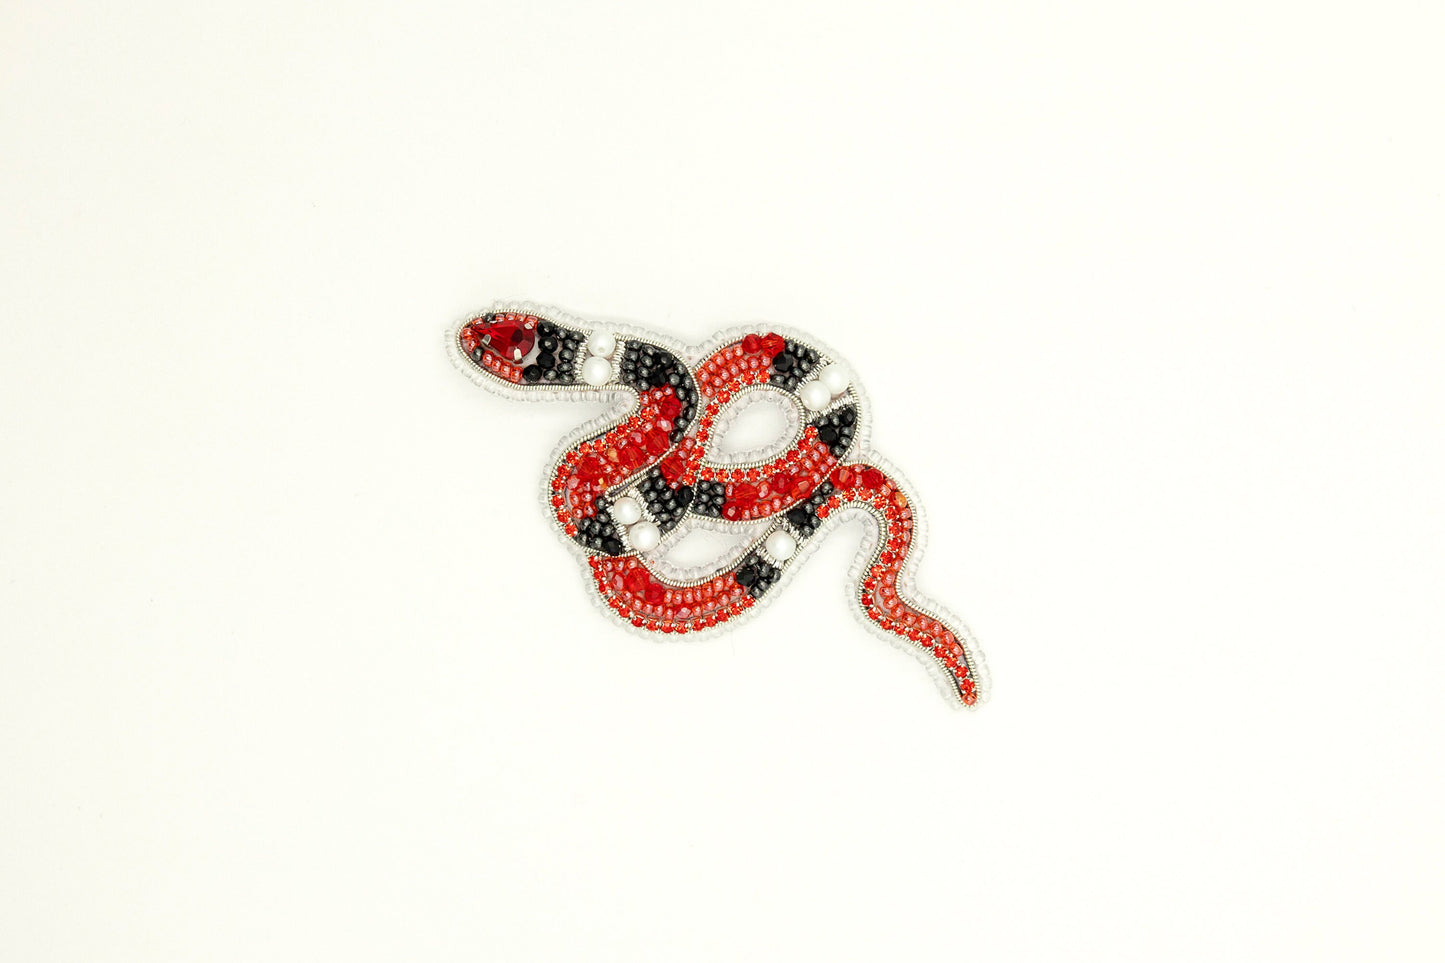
508	337
522	348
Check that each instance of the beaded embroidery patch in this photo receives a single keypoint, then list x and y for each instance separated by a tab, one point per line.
630	485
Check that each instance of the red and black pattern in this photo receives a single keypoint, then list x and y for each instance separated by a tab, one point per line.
658	456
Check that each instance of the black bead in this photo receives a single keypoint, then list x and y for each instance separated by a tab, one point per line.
532	373
798	517
782	362
828	434
547	360
747	575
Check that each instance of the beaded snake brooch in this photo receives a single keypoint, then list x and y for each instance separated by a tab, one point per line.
629	485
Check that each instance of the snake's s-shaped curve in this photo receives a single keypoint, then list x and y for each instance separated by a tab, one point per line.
625	486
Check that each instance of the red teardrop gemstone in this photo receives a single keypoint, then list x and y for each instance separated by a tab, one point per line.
508	336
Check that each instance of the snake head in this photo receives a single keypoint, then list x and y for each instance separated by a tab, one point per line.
520	349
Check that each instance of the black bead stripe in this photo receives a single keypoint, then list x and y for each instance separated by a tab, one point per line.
756	574
559	356
836	429
667	503
599	532
642	367
793	365
803	517
708	498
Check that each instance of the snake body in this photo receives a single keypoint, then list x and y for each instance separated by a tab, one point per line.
657	454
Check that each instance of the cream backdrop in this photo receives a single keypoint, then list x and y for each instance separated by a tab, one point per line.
1147	299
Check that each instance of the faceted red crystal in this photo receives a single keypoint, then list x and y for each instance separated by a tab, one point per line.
672	466
590	468
632	456
752	343
508	336
873	478
773	344
657	442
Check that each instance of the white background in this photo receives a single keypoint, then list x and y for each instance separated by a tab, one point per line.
1149	305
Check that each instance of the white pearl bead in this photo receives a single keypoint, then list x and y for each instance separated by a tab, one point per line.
835	376
815	395
644	536
625	510
597	371
780	546
602	344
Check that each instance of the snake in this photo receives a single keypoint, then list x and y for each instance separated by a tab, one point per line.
626	487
